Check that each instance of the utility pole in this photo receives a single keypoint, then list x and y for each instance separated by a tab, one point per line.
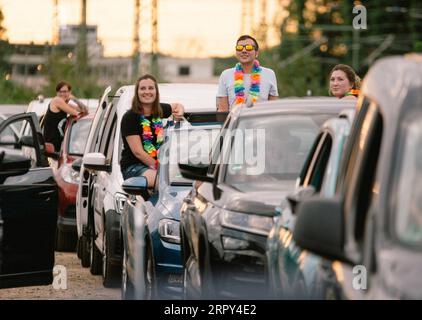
263	28
82	54
154	38
56	23
136	44
244	13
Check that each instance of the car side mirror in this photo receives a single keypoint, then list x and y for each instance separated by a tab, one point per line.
77	164
137	186
50	151
302	193
195	171
319	227
96	161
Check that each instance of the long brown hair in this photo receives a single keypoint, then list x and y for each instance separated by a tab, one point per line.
157	111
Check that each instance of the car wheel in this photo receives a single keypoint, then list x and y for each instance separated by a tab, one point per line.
95	258
128	290
192	281
111	272
66	241
85	250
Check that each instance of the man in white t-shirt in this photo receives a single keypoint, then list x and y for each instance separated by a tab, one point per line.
247	80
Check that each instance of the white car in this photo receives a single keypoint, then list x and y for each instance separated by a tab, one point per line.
100	198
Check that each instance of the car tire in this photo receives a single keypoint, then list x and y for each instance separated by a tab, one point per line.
66	241
111	272
96	258
128	289
85	251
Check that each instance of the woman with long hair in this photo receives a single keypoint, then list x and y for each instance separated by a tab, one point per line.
142	130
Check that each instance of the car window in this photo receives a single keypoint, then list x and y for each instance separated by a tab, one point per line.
306	168
192	144
316	176
361	172
218	145
10	137
408	207
269	152
78	136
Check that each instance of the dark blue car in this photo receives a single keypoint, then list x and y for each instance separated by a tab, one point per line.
152	264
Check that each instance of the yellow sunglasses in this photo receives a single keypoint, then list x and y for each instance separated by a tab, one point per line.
248	47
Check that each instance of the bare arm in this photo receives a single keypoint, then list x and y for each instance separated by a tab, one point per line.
270	97
222	104
178	110
80	105
135	146
60	104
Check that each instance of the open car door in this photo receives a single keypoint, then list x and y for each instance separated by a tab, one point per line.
28	207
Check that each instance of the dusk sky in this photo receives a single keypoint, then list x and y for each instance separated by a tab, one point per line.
188	28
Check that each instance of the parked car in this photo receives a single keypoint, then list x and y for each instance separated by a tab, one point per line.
152	245
107	196
294	273
11	133
28	207
371	228
226	219
73	146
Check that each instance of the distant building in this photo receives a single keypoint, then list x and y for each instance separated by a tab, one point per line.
28	61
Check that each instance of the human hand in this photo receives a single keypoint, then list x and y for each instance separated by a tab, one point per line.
177	111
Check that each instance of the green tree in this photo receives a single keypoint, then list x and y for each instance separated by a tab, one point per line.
60	67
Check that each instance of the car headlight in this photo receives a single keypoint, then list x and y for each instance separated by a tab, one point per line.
169	230
119	202
69	175
247	222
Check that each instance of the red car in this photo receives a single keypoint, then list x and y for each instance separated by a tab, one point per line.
73	146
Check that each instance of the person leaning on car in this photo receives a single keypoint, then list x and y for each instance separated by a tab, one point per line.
247	80
142	130
57	111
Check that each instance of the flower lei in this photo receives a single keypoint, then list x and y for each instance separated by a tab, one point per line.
239	88
353	92
147	136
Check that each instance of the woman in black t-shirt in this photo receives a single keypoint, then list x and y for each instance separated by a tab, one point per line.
57	111
142	130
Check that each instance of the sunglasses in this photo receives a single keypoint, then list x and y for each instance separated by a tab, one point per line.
248	47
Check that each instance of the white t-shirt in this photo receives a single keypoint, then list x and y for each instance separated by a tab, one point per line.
268	85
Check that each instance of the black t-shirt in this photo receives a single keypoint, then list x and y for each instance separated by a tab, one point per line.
52	122
130	126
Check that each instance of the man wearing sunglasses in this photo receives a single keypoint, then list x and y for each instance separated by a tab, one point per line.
247	80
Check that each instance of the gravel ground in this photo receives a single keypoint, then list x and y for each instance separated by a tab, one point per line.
81	285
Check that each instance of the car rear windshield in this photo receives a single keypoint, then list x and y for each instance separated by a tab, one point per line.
268	152
78	136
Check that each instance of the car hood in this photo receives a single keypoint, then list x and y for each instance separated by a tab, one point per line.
263	203
172	199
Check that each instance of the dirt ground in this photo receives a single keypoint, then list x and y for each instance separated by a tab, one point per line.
81	285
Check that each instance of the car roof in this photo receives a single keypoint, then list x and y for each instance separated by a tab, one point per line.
193	96
297	105
40	105
394	83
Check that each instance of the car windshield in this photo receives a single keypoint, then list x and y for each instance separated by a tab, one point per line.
78	136
268	152
189	144
408	222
